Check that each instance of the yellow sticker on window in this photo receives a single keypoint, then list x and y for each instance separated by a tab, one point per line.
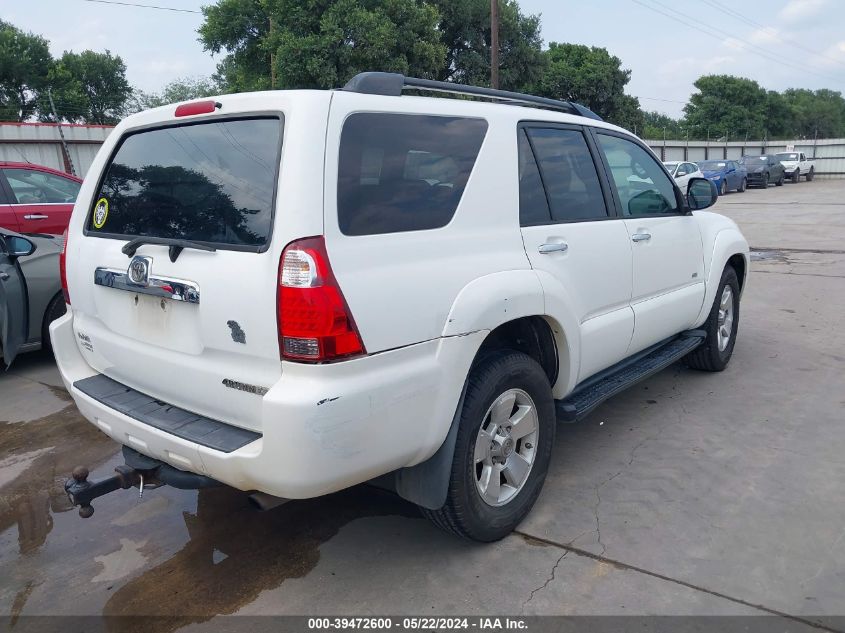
101	213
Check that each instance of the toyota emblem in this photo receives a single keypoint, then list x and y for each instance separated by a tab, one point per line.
139	271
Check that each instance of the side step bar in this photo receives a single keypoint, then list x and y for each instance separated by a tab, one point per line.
619	377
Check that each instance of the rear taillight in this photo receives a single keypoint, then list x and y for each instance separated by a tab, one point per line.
63	267
314	321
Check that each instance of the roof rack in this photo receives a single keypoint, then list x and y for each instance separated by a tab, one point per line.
392	85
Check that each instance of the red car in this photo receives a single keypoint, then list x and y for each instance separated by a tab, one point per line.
36	199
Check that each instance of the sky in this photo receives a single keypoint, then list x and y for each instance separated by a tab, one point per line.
666	44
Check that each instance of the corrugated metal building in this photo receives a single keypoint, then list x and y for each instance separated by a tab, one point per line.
41	143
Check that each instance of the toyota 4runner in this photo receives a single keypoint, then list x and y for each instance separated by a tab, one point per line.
294	292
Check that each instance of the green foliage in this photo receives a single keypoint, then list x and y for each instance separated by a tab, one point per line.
593	77
819	113
465	30
184	89
87	87
25	62
320	43
658	126
726	105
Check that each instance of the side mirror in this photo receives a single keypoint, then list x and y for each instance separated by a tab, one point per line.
19	246
701	194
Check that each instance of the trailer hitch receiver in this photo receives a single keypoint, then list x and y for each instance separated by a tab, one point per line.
81	492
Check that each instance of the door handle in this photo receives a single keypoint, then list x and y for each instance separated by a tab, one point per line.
553	247
641	237
35	216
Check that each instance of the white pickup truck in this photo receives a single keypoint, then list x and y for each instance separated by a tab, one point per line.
796	164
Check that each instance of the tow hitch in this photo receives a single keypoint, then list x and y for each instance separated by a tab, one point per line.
139	471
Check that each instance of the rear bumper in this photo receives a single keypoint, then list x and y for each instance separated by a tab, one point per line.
324	427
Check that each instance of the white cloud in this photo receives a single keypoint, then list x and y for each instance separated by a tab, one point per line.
768	35
686	67
800	10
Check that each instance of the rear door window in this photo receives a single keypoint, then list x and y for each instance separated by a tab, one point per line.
209	182
404	172
30	186
568	173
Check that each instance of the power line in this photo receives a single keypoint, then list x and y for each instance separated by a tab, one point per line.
742	18
144	6
714	32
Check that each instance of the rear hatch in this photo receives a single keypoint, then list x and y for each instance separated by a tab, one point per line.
188	316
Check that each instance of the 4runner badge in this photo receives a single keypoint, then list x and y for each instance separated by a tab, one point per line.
139	270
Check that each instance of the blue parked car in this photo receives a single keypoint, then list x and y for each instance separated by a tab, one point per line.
727	175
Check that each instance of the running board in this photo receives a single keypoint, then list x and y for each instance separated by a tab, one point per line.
618	378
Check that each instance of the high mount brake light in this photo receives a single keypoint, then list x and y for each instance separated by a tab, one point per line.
197	107
314	321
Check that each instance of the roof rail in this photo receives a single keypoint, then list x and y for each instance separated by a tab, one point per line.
392	85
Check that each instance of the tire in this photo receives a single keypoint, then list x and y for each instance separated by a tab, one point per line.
779	182
743	185
496	378
765	184
811	174
55	309
723	188
796	175
712	355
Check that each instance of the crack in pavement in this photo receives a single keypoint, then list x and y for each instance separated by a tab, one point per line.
544	585
677	581
596	511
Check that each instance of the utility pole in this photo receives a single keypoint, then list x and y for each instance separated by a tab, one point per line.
68	161
494	44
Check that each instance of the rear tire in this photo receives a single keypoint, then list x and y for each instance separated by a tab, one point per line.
779	182
721	327
488	493
796	175
811	174
55	309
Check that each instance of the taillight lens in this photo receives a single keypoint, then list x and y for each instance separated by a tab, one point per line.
314	321
63	267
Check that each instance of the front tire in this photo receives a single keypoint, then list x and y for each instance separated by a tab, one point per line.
721	327
779	182
796	175
723	189
743	185
505	437
766	181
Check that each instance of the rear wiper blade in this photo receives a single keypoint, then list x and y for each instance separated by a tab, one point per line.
176	245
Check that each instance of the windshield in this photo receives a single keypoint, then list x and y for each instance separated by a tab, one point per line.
787	156
208	182
711	165
754	160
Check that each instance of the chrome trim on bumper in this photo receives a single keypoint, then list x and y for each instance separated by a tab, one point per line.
175	289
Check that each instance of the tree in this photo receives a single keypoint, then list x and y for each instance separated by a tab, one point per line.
726	105
820	113
592	77
656	125
780	118
88	87
465	30
319	43
25	63
184	89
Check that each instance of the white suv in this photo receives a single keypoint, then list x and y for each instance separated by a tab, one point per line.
294	292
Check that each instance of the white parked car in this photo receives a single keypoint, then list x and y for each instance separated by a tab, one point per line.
683	172
796	164
293	292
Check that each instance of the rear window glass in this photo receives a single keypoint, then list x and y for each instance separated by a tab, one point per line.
207	182
403	172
